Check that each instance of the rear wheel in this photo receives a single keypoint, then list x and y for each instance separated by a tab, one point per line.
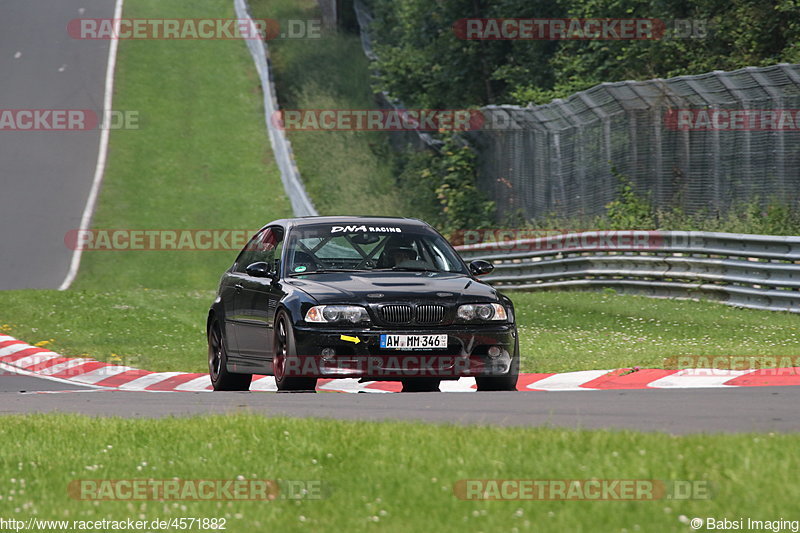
421	385
221	379
286	350
506	382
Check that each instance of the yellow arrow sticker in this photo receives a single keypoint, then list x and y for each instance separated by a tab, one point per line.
354	340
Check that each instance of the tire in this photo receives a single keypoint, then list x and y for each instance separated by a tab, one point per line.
421	385
285	348
506	382
221	379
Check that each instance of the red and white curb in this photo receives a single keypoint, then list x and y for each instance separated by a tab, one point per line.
21	358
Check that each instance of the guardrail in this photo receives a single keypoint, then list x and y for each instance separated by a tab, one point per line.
756	271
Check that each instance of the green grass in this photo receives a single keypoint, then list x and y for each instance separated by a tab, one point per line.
564	331
345	173
164	330
201	158
149	329
374	477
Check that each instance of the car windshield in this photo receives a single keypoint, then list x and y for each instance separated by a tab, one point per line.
347	248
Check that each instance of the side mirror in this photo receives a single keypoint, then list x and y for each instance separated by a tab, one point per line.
479	267
260	270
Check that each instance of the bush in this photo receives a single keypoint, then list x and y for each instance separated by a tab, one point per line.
424	63
442	184
630	210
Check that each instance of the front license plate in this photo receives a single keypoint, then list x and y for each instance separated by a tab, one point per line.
413	342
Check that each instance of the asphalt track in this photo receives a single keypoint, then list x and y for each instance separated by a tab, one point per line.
729	410
45	177
17	383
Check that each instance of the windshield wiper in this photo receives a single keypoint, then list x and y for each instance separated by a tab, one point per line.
328	271
406	269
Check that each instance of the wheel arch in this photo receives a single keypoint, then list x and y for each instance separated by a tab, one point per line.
294	304
214	313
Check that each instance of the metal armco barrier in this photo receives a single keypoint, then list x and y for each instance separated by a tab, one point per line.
756	271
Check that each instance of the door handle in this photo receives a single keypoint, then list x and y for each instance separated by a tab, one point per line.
238	287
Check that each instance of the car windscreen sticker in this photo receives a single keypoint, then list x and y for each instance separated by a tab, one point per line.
300	268
364	228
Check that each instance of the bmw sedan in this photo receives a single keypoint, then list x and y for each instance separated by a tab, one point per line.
372	298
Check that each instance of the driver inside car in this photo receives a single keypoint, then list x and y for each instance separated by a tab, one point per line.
399	255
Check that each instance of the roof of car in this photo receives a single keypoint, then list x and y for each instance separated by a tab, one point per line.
368	220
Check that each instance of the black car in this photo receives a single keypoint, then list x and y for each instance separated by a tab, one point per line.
374	298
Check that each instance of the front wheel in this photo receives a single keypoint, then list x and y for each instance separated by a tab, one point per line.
221	379
286	350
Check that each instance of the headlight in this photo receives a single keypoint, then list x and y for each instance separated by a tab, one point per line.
323	314
482	313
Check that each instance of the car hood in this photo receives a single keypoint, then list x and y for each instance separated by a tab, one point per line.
376	287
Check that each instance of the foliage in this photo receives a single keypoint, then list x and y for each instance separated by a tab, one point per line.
424	63
629	210
755	218
452	172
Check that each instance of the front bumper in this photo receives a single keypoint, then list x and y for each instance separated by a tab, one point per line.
358	354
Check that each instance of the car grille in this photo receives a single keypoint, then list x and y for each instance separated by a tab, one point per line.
430	314
396	314
403	314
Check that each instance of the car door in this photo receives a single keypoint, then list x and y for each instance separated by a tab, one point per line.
232	285
258	299
227	293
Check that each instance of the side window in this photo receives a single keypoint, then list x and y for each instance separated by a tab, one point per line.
278	250
265	246
244	256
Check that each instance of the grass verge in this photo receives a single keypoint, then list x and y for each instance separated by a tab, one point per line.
201	158
565	331
393	487
559	331
148	329
345	172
